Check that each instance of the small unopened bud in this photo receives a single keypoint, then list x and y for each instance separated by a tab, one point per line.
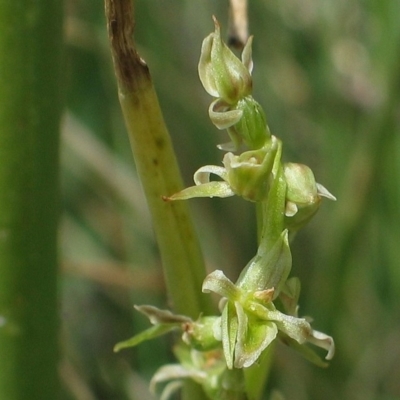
303	195
202	334
222	74
252	126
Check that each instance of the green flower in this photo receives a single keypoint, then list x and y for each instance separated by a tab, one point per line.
245	122
247	175
207	369
229	80
250	323
303	195
222	74
204	368
199	334
250	175
200	355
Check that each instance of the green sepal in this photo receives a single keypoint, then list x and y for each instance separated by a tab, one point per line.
274	207
221	72
250	173
203	334
289	296
164	321
218	283
148	334
253	337
303	196
229	330
307	352
252	126
209	189
158	316
269	269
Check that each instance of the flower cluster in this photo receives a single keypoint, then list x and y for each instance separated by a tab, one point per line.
263	304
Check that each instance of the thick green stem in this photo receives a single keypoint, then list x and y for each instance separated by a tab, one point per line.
157	166
30	76
158	170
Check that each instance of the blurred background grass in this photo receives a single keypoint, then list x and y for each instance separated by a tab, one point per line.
328	76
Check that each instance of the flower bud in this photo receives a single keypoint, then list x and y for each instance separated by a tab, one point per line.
252	126
201	334
269	268
303	195
249	173
222	74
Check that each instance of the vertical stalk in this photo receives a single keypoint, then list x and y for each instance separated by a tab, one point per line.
156	165
30	69
158	170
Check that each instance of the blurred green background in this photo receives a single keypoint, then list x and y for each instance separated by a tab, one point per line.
327	73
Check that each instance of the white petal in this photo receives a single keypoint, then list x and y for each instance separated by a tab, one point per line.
300	330
290	209
202	175
324	341
324	192
247	55
175	371
297	328
209	189
251	340
205	69
222	117
218	283
170	389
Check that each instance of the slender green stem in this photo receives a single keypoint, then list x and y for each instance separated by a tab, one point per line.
269	227
30	98
256	377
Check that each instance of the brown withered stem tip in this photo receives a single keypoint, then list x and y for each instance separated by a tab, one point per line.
130	69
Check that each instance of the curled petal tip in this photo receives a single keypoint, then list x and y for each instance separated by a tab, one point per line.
247	59
323	341
324	192
216	23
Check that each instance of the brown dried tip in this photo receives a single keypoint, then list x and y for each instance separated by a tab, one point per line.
130	69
